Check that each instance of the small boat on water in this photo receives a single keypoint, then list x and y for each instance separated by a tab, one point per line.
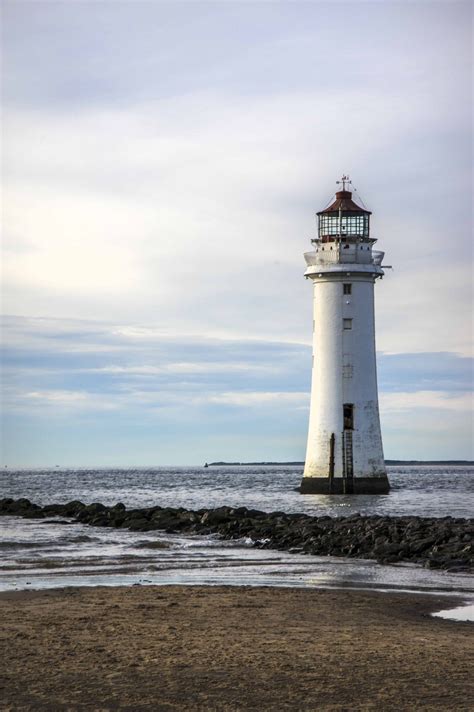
206	465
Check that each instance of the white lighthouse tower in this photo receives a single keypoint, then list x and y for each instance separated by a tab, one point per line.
344	453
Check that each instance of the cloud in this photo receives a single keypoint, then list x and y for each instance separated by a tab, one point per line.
426	371
184	368
193	212
67	377
243	399
59	400
438	401
162	170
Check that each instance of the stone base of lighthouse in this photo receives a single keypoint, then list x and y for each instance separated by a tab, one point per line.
345	485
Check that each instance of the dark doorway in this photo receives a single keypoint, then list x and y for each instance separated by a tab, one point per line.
348	416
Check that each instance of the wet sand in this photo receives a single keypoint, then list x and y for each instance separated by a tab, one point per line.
224	648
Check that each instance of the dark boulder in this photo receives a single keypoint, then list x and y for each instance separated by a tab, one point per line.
436	543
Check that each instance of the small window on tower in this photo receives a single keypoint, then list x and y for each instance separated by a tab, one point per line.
348	371
348	416
347	324
348	289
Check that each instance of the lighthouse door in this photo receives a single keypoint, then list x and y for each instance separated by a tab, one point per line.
348	416
347	450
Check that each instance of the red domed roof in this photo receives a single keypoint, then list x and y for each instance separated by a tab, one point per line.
344	203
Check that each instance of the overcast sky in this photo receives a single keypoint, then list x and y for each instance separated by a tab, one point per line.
163	162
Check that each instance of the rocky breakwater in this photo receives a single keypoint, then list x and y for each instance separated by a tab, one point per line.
441	543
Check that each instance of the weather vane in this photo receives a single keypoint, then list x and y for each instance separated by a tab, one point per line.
344	180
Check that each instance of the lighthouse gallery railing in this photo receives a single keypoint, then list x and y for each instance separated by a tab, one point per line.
339	254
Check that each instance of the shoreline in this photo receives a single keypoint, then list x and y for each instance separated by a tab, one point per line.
436	543
232	648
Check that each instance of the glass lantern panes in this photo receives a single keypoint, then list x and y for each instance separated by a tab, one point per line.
342	225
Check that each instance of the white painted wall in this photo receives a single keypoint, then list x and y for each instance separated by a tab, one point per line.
344	371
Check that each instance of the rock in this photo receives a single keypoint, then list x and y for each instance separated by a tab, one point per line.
54	509
24	504
6	504
71	509
436	543
33	514
21	507
95	507
216	516
119	507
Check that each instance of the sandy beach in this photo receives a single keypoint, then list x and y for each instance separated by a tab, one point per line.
229	648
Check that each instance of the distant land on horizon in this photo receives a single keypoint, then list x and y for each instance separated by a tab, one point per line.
387	462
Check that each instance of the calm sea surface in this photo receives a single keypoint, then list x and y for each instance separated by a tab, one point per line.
38	554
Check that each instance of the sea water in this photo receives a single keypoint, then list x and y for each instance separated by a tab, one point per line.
58	552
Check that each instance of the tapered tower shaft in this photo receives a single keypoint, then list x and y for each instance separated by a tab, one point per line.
344	451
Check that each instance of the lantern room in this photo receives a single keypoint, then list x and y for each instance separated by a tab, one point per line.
343	219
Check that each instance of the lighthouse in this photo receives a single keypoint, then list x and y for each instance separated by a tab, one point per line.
344	453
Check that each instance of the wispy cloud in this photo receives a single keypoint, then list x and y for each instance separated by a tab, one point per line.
437	401
91	377
259	398
60	400
187	368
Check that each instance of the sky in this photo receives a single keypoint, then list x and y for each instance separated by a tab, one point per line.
162	165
